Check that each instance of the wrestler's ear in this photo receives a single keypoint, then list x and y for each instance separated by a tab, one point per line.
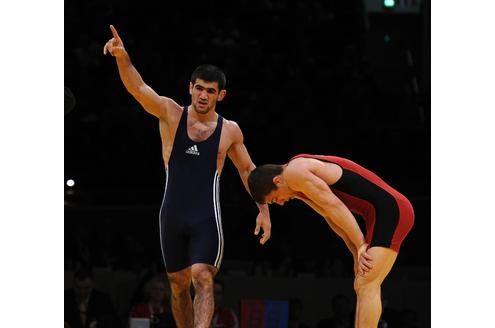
277	180
222	94
190	88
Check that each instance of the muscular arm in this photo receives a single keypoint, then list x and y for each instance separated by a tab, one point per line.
153	103
302	178
135	85
239	155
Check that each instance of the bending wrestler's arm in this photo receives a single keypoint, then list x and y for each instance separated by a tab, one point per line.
153	103
239	155
300	177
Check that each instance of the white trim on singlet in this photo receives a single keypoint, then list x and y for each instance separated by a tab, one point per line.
160	215
218	218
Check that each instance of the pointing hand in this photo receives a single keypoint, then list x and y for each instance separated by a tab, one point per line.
114	46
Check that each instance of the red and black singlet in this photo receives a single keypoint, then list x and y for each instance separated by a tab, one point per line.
388	215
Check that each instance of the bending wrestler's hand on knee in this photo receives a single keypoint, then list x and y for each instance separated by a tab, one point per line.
365	259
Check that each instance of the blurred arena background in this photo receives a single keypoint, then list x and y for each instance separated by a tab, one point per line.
347	78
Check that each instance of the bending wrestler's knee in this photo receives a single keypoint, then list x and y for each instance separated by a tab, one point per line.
364	285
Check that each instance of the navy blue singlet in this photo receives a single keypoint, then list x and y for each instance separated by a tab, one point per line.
190	218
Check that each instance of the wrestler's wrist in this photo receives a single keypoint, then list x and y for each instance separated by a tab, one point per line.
362	248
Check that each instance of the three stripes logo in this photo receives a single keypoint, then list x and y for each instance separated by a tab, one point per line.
193	150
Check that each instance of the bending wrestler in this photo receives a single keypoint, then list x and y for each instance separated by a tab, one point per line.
335	188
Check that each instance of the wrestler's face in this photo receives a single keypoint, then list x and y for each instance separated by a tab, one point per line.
158	291
280	196
204	95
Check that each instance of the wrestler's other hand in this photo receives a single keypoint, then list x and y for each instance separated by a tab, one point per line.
263	222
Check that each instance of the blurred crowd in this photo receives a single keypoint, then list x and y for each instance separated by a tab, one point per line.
89	304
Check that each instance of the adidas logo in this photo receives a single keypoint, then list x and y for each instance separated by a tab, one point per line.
193	150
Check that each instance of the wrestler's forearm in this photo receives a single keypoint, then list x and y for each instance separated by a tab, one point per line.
244	173
129	75
349	244
263	208
343	218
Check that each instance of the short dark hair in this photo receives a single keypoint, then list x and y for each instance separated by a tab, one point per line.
209	73
260	181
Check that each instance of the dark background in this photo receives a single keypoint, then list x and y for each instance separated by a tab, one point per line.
321	77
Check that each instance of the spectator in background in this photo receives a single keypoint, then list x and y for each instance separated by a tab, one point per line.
86	307
295	314
156	303
222	316
343	316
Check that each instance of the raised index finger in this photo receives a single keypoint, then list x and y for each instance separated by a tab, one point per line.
114	32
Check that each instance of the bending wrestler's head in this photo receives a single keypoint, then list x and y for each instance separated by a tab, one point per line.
267	185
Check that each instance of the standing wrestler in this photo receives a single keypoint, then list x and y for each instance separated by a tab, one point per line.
195	142
335	187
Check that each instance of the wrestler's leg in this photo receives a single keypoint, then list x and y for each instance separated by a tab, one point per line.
368	287
202	278
180	285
